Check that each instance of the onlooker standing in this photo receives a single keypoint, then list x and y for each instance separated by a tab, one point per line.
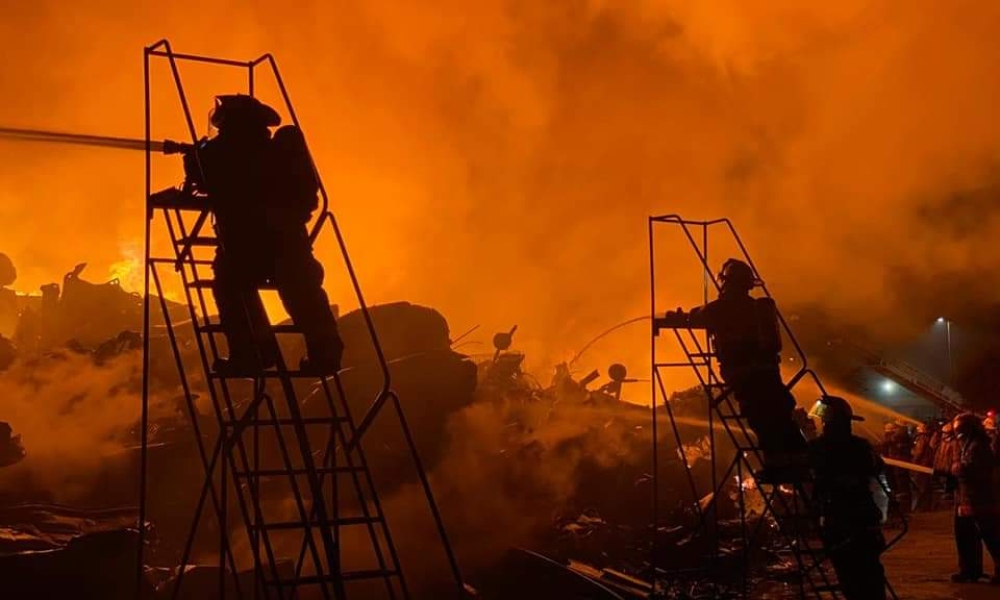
977	521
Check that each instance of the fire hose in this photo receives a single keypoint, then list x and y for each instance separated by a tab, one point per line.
103	141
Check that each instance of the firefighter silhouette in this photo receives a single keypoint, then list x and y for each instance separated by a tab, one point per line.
977	516
257	192
747	342
843	467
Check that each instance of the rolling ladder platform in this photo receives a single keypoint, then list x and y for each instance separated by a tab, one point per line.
287	465
786	501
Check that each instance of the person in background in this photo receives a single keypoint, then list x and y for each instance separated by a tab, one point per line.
977	522
896	444
923	454
990	424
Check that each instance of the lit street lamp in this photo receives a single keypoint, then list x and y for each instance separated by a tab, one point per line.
951	363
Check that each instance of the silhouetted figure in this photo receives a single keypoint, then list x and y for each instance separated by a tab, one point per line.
990	424
294	270
231	170
262	192
945	454
977	522
843	466
923	454
896	444
747	342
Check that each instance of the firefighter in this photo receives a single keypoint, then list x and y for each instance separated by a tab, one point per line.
944	457
231	170
747	342
896	444
258	188
923	454
295	272
977	522
843	467
990	424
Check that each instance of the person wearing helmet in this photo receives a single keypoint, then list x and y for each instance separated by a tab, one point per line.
747	342
843	466
896	444
295	272
990	425
923	454
242	174
977	522
229	172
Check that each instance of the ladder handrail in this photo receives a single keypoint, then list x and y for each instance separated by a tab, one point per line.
183	246
326	215
701	358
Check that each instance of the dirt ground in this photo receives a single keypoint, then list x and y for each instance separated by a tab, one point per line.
919	567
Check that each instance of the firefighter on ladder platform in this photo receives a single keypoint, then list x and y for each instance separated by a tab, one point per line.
747	341
843	467
261	192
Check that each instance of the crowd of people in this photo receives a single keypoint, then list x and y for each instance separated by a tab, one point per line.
963	456
934	445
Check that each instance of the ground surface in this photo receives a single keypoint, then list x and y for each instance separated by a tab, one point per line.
919	567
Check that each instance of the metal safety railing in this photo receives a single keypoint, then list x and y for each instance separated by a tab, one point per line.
700	357
184	237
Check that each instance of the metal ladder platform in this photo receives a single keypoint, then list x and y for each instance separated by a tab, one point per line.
287	463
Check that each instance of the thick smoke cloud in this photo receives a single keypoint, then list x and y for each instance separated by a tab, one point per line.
498	159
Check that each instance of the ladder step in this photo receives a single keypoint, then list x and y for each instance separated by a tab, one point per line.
345	576
285	472
343	521
206	284
198	240
162	260
288	421
217	328
272	375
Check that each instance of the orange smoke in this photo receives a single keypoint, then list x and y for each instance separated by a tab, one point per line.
497	159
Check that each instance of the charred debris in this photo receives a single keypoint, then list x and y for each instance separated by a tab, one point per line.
591	534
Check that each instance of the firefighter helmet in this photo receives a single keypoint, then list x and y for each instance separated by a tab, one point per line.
738	276
833	408
990	423
239	109
967	423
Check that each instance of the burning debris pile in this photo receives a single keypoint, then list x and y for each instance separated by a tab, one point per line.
561	469
566	469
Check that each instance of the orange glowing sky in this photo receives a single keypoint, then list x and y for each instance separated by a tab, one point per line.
497	159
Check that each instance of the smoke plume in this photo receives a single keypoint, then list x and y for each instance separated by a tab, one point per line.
498	159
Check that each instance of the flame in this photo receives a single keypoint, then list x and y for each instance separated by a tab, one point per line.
128	270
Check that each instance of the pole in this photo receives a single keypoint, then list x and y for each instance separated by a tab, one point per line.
951	363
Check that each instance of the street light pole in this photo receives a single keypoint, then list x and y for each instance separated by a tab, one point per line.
951	362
